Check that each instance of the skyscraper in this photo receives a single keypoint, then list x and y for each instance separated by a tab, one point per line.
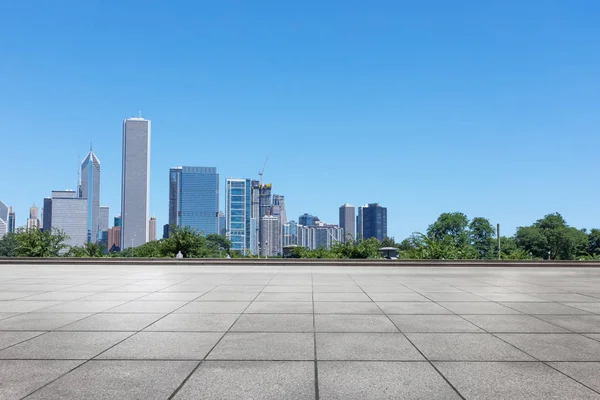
135	182
3	219
307	219
222	223
69	215
237	213
90	190
272	236
279	200
347	221
47	218
194	198
254	215
264	208
103	217
152	229
33	221
12	221
372	221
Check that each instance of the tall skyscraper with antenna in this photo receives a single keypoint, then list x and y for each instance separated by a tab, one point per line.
135	182
90	190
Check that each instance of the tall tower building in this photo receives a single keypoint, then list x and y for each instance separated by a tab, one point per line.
194	198
135	182
347	221
152	229
279	200
3	219
33	222
103	217
254	215
264	208
237	213
69	214
272	234
90	190
47	217
12	221
372	221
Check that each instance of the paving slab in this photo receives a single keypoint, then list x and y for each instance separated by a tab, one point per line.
590	307
395	307
346	307
465	308
545	308
64	345
353	323
194	323
555	346
513	323
266	380
8	339
226	296
588	373
21	306
280	307
465	347
107	380
355	380
575	323
433	323
113	322
153	307
18	378
39	321
264	346
512	380
397	297
274	323
365	346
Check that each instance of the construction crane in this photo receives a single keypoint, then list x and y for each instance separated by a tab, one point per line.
260	173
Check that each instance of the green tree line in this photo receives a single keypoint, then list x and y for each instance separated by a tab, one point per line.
451	237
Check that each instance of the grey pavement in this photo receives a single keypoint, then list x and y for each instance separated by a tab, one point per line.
298	332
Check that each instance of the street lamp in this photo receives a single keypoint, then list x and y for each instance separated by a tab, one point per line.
266	249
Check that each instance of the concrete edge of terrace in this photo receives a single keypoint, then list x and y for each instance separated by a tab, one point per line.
298	262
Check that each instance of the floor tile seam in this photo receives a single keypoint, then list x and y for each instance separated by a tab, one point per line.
419	350
41	333
547	363
315	355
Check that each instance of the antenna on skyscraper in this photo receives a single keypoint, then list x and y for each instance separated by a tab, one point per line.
260	173
139	113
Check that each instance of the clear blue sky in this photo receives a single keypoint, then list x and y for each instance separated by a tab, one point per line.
486	107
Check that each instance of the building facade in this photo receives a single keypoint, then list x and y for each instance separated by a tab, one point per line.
135	182
237	213
47	217
33	222
290	234
322	235
90	190
152	229
307	219
372	221
347	221
114	239
69	215
103	218
12	221
194	198
3	219
270	226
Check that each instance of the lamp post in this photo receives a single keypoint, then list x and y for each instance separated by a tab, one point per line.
266	249
131	248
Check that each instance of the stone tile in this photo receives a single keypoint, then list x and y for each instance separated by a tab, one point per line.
18	378
113	322
114	296
122	380
353	323
575	323
11	338
227	296
512	297
555	346
172	296
194	323
267	380
281	307
478	308
64	345
274	323
545	308
238	289
214	307
58	296
365	346
337	289
39	321
7	315
381	380
21	306
82	306
397	297
513	323
591	307
567	298
264	346
164	346
346	307
459	296
153	307
465	347
371	289
593	336
587	373
412	308
287	289
284	297
511	380
433	323
16	295
340	297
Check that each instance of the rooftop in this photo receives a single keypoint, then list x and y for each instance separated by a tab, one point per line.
298	332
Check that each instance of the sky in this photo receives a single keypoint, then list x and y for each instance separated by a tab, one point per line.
490	108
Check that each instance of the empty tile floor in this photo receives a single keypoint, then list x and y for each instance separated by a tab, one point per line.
298	332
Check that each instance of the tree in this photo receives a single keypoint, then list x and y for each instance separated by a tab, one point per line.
593	247
481	237
452	225
388	242
88	250
9	245
36	243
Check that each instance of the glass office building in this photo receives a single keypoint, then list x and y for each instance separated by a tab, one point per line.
90	190
238	210
194	198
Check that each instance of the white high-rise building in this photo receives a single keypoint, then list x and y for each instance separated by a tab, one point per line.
135	182
70	215
3	219
272	240
90	190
